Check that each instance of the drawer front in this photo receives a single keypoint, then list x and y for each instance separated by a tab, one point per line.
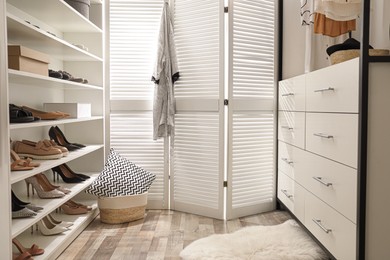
333	136
292	94
292	195
291	128
334	183
333	89
333	230
286	159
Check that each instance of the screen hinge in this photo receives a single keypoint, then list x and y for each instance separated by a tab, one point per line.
225	184
226	102
226	9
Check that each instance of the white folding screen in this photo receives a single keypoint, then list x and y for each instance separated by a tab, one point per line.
197	166
133	33
198	163
251	174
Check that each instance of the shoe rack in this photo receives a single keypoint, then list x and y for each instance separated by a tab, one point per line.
53	28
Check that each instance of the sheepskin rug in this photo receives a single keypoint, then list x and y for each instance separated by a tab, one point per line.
286	241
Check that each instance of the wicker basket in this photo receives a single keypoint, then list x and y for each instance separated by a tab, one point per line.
122	209
340	56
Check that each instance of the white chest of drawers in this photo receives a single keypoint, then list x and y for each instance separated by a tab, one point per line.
317	158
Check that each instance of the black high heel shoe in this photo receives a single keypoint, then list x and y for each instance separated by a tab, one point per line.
58	136
66	175
17	201
83	176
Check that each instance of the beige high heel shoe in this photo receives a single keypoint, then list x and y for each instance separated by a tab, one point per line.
59	223
43	191
49	185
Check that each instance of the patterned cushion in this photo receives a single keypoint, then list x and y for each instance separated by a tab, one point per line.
120	177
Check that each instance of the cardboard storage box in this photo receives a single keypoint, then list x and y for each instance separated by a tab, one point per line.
25	59
76	110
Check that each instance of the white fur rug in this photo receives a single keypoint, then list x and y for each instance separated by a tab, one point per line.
286	241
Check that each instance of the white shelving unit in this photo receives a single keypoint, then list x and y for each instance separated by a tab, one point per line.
54	28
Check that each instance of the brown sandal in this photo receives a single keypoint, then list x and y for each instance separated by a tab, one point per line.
21	164
33	250
22	256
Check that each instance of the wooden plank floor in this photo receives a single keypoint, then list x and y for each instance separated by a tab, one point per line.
162	234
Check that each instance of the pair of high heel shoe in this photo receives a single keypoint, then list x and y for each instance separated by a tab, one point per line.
21	209
26	253
58	136
49	226
68	175
44	188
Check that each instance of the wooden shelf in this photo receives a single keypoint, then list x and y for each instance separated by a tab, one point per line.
27	78
54	245
22	33
16	176
58	14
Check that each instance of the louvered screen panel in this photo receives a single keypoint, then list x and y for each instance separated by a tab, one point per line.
197	179
251	173
197	38
252	159
253	48
133	28
131	136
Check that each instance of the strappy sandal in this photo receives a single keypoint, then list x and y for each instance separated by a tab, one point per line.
22	256
33	250
21	164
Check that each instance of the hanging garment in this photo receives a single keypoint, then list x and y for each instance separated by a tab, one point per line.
307	14
164	76
338	10
329	27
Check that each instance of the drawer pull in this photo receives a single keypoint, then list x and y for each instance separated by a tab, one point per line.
318	222
323	135
287	161
287	94
324	89
319	179
287	127
287	195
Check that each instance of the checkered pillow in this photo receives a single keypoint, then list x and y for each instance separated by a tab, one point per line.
120	177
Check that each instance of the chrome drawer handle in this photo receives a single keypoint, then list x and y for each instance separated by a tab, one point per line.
324	89
287	161
288	94
318	222
319	179
323	135
287	127
287	195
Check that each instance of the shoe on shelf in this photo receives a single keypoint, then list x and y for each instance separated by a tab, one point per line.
18	164
52	115
28	205
43	191
66	174
22	256
59	223
19	211
58	136
69	209
55	74
49	143
33	250
77	204
40	150
49	185
48	229
19	115
83	176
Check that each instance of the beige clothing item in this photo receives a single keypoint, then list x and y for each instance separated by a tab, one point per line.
326	26
337	11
